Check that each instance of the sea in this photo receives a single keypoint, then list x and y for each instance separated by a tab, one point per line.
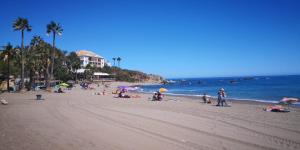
255	88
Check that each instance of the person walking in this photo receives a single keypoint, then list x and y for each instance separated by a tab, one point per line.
220	97
223	99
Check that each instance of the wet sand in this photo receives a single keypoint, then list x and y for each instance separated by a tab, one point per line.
81	120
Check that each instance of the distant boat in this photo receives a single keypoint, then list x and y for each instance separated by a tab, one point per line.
248	78
171	81
233	81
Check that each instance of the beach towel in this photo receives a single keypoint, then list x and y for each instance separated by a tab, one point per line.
276	108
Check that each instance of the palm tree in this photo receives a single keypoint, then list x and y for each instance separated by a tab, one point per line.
119	60
55	29
73	63
38	59
21	24
114	59
7	52
33	58
45	54
36	40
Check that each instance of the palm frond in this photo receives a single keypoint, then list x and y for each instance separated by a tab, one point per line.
21	24
55	28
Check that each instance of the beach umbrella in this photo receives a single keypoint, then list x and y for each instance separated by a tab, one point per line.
163	90
63	85
123	87
289	100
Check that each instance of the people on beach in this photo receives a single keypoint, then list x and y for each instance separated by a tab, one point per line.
206	98
60	90
155	96
84	85
122	94
276	108
158	96
221	98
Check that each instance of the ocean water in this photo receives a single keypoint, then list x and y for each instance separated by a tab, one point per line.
258	88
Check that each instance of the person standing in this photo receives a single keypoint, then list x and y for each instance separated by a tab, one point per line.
223	99
220	97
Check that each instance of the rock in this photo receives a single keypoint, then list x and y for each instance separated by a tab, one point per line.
3	102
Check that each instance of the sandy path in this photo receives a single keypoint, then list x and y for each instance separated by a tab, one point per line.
80	120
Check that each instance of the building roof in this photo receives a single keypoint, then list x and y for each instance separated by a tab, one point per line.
100	74
87	53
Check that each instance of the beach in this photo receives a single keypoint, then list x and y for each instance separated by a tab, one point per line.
80	119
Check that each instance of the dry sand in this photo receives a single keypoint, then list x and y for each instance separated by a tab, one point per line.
78	119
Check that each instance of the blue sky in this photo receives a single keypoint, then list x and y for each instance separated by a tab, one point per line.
173	38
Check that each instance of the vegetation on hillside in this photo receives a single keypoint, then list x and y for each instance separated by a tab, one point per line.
131	75
123	74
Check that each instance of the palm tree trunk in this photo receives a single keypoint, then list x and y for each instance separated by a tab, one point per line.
52	57
8	71
30	78
22	62
75	75
47	77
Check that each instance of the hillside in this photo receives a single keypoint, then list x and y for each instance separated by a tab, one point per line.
131	75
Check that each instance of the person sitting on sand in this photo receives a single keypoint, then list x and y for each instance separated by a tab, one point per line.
84	85
276	108
206	99
122	95
104	92
155	97
160	96
60	90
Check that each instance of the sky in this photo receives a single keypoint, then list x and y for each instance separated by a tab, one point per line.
172	38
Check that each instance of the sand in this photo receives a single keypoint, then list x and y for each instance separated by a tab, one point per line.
80	120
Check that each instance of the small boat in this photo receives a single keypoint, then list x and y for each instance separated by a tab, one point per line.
233	81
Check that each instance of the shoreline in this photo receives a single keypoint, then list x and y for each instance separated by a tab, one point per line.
198	96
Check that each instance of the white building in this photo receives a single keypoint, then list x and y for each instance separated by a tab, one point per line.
88	57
